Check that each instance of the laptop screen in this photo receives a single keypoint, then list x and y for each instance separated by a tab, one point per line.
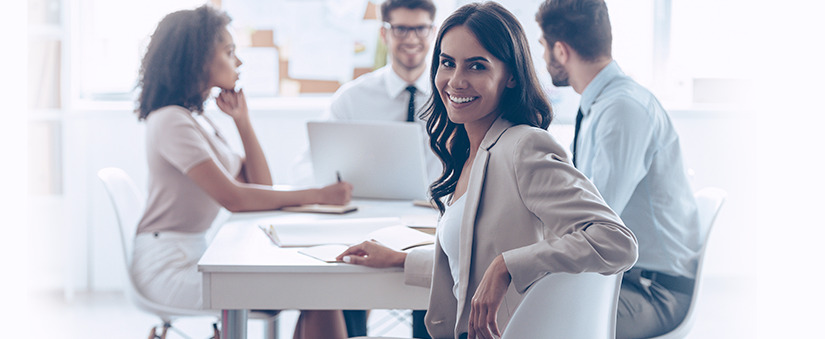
382	160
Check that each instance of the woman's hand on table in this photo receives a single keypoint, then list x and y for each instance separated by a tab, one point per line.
372	254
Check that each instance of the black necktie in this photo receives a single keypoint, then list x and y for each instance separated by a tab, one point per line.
411	106
576	135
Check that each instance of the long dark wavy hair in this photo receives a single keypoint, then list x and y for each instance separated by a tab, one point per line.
175	68
500	33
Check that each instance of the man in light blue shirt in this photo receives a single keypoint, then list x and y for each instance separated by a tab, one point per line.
626	144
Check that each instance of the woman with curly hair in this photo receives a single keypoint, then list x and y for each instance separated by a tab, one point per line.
192	170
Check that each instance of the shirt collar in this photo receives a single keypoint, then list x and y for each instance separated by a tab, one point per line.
597	85
395	85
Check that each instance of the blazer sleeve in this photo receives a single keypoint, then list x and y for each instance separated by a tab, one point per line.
580	232
418	266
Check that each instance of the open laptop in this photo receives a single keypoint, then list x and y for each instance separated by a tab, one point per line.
382	160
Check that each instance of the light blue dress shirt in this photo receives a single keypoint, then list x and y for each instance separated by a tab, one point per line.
628	147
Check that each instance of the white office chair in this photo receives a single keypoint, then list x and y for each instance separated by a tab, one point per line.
129	204
709	201
563	305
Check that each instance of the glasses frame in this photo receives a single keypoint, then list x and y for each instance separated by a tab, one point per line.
401	31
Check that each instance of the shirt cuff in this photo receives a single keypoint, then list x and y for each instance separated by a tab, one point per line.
418	266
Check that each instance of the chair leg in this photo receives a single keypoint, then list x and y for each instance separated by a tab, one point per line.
271	329
153	333
165	329
216	331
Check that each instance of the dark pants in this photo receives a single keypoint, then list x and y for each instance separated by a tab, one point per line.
419	330
647	308
356	321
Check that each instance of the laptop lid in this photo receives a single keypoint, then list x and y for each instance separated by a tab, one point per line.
382	160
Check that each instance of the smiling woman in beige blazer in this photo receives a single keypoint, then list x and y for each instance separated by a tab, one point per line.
527	211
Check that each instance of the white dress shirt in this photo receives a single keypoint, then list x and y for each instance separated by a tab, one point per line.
380	95
628	147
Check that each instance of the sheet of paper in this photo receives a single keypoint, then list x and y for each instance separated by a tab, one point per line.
422	220
316	208
334	63
259	72
323	232
326	253
365	38
257	14
401	237
318	40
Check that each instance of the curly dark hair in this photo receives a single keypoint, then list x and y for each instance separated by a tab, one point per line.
175	68
500	33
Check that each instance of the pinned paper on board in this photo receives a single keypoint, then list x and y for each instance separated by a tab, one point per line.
319	44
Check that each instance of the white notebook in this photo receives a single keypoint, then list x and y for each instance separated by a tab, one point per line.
320	238
319	208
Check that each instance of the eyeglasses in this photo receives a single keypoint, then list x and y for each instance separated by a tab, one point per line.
401	31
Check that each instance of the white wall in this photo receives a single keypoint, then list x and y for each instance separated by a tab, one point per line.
78	245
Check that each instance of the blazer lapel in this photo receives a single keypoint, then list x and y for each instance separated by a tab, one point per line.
475	187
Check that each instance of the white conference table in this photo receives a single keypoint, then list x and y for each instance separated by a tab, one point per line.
242	270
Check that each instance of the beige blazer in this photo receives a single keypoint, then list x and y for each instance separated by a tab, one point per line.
527	201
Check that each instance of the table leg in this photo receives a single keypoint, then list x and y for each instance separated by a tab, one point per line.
233	324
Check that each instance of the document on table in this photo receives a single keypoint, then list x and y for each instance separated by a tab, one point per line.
424	222
398	237
318	208
326	239
322	232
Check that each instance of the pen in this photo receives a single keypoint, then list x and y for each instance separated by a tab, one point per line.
271	234
274	235
338	174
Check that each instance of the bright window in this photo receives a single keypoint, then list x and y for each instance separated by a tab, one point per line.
113	36
682	50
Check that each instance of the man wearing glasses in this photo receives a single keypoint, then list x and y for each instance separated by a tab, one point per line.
396	92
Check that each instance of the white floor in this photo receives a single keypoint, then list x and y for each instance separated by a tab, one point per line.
726	309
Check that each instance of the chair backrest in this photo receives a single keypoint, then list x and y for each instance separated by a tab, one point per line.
709	201
563	305
128	203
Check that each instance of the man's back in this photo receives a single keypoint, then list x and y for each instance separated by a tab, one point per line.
630	150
